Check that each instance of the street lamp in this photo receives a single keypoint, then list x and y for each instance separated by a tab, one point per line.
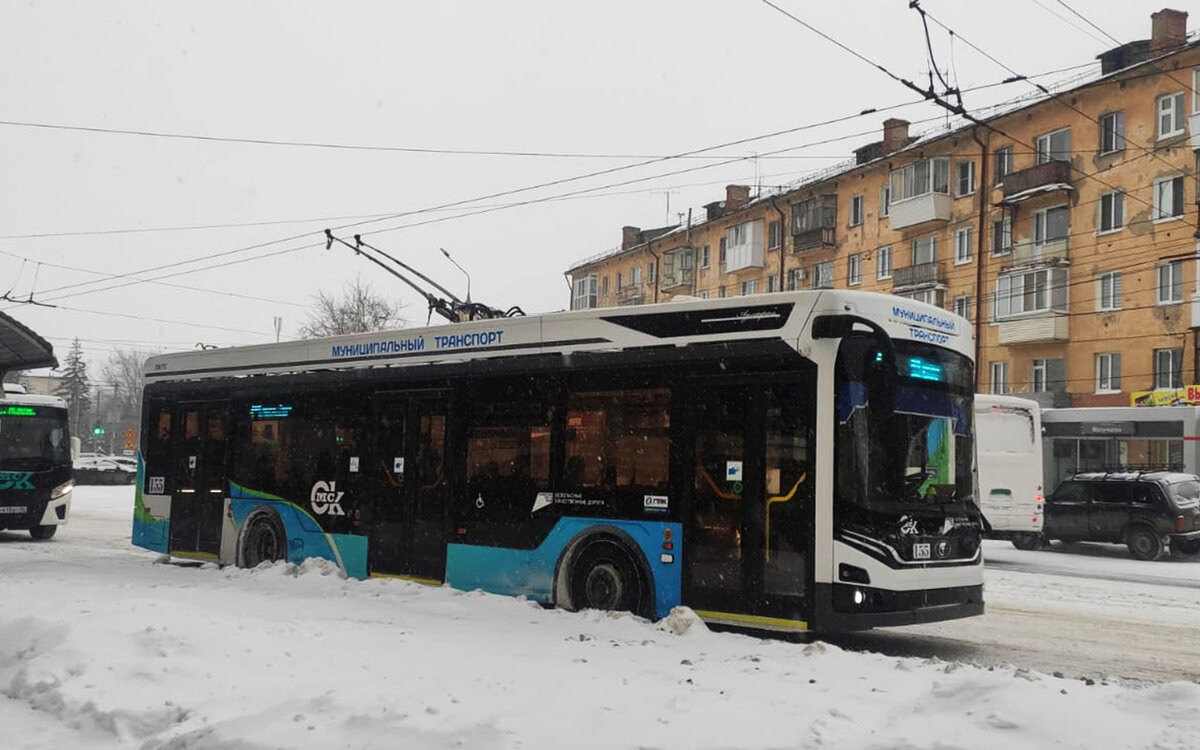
452	260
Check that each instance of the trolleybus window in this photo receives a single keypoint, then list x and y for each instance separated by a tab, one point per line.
617	439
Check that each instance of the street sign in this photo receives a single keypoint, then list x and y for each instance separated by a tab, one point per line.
129	434
128	447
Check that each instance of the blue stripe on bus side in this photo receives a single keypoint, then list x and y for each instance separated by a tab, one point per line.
501	570
305	538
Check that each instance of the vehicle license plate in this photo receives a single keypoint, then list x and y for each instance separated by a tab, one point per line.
920	551
13	509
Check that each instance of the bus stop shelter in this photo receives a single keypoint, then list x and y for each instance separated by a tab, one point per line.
21	348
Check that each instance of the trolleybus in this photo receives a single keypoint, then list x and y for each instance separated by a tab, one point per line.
793	461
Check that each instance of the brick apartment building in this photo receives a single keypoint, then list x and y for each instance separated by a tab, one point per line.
1066	232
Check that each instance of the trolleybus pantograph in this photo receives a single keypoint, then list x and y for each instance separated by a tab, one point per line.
793	461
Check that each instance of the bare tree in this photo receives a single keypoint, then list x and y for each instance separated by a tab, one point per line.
358	310
124	373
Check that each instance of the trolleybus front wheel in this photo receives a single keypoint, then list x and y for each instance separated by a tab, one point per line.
43	532
604	575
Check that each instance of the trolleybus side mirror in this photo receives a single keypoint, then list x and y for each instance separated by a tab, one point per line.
881	372
75	445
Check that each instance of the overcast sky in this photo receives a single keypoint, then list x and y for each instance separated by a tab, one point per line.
598	86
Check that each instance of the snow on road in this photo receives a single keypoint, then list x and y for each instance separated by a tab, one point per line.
104	646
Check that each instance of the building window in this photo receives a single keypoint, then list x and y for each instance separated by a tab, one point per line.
924	250
964	241
921	178
721	254
1108	372
1051	226
1112	132
883	262
1168	198
1168	368
1002	235
964	182
1196	90
772	283
585	293
854	269
794	277
704	294
704	257
962	306
721	291
928	296
999	377
1170	115
775	235
604	286
1112	211
1037	376
1170	283
650	273
635	276
748	287
856	210
885	201
1108	291
823	275
1004	163
1033	291
620	286
1054	146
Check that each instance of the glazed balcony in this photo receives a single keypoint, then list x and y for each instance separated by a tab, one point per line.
1043	178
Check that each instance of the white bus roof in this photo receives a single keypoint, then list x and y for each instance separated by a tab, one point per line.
779	315
988	400
31	399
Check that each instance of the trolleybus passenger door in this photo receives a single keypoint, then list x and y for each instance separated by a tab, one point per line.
198	501
748	536
407	522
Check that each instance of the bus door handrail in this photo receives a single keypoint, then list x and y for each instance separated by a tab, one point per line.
771	501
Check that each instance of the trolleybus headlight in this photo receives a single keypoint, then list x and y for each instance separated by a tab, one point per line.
853	574
62	490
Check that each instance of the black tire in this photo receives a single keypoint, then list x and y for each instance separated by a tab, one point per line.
42	533
263	540
1143	543
604	575
1027	540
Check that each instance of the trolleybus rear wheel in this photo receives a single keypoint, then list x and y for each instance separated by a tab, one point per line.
263	539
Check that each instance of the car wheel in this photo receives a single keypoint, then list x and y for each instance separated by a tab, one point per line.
605	576
42	533
1027	540
1143	543
263	539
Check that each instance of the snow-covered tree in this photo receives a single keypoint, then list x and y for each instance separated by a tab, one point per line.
76	389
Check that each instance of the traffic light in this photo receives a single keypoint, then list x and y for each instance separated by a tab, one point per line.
97	430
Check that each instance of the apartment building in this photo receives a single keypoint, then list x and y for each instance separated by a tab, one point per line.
1064	229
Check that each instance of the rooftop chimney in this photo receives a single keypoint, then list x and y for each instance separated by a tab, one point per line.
736	196
1168	30
630	237
895	134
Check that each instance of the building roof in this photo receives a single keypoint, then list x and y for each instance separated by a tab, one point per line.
21	348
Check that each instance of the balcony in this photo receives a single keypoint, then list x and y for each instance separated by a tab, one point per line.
1194	129
1028	253
918	210
814	223
1036	328
677	269
918	275
630	295
1036	180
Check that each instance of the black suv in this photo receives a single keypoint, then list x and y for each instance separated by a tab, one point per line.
1145	510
